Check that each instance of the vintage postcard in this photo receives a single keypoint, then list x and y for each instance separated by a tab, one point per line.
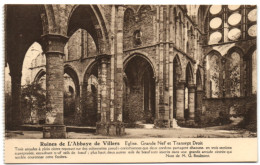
130	83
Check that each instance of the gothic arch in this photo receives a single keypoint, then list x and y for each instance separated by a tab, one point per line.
187	24
90	18
250	50
234	64
38	76
213	74
90	69
142	6
202	15
199	80
19	34
89	93
130	10
143	55
49	17
178	66
191	29
174	14
211	52
180	17
235	49
139	89
189	74
68	69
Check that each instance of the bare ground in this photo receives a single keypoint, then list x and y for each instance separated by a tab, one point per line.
210	132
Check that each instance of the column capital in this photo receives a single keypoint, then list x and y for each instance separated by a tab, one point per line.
103	58
200	91
121	7
192	88
53	43
181	85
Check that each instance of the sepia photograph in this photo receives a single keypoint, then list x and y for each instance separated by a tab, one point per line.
130	72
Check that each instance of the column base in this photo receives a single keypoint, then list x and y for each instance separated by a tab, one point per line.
110	128
54	132
190	123
181	122
187	123
173	123
162	123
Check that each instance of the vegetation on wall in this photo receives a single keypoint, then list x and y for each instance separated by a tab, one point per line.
249	113
33	103
133	111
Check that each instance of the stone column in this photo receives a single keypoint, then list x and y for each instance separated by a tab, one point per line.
180	102
193	45
162	53
197	57
189	40
185	36
191	103
112	65
226	26
177	41
199	97
15	116
81	98
105	126
102	78
53	46
119	70
78	107
171	85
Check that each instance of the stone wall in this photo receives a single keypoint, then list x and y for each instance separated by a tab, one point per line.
81	45
217	111
141	21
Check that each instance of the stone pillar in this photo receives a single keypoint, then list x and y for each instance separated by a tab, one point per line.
207	77
162	53
78	107
180	102
191	103
170	66
15	116
171	85
102	78
81	98
226	26
199	97
185	36
53	46
193	45
112	65
119	64
105	126
161	65
189	39
178	31
197	56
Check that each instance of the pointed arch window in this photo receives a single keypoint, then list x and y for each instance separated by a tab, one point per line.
234	70
137	37
213	75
